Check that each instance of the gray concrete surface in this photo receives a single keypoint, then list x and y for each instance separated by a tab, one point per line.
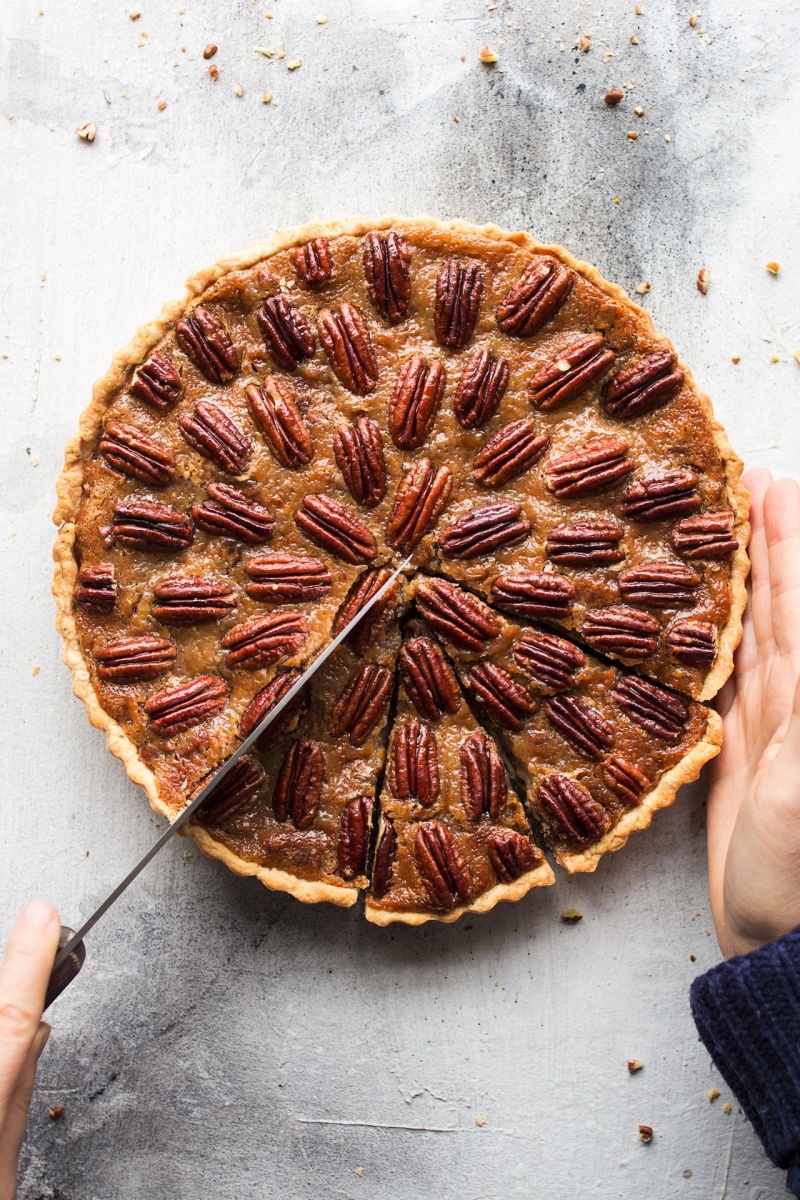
224	1041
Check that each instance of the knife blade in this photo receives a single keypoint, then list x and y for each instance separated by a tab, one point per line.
71	951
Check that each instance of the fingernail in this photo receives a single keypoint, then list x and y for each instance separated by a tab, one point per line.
40	1041
39	912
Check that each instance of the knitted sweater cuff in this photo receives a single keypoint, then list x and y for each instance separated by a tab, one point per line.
747	1011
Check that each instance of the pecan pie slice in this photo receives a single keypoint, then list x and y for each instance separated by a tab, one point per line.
313	413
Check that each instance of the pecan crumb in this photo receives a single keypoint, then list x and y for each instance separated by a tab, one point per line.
322	20
359	1171
643	288
773	267
703	276
294	64
646	1133
584	43
56	1112
634	1065
487	55
88	132
692	21
634	40
613	97
692	958
265	99
213	71
571	916
726	1108
639	112
210	50
774	358
162	104
36	670
713	1094
480	1121
135	14
238	90
736	358
639	10
632	134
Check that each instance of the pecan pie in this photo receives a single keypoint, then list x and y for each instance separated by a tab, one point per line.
315	410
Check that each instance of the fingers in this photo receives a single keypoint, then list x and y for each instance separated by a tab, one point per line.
23	982
781	510
13	1130
758	483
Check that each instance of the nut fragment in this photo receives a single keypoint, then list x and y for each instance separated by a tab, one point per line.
277	414
707	537
773	267
419	502
584	727
456	615
458	299
245	780
443	866
693	643
485	528
186	704
596	466
135	453
621	630
298	787
703	277
264	701
96	589
626	780
483	382
660	712
206	342
212	432
586	544
87	132
413	770
484	786
644	386
328	524
360	705
358	449
354	836
210	50
572	812
574	369
429	679
150	525
509	453
645	1131
348	346
157	382
286	332
659	585
386	266
548	659
535	299
613	97
192	600
260	641
385	857
228	512
360	593
415	401
663	497
511	854
534	594
507	700
313	262
128	659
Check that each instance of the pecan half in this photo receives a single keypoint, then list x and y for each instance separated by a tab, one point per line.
415	401
244	781
360	593
429	679
693	643
386	266
418	503
213	434
597	466
229	513
276	413
456	615
330	525
264	701
572	812
660	712
548	659
624	779
361	704
259	641
584	727
481	388
186	704
192	600
96	589
544	594
413	771
354	836
659	585
283	578
205	340
124	660
643	386
135	453
150	525
484	786
570	373
511	854
509	453
348	346
485	528
298	787
506	700
286	332
663	497
458	299
618	629
385	857
586	544
443	866
313	262
708	536
542	289
358	449
157	382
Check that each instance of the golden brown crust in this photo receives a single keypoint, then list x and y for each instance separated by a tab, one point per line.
541	876
69	493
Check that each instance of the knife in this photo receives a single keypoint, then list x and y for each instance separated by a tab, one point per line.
71	952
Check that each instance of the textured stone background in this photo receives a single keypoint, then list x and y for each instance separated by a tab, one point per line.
224	1041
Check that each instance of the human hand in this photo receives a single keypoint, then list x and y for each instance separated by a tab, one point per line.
754	795
23	1035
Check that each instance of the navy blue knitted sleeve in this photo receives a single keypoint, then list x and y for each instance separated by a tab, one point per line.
747	1011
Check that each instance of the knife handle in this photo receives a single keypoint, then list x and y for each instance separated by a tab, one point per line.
63	975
